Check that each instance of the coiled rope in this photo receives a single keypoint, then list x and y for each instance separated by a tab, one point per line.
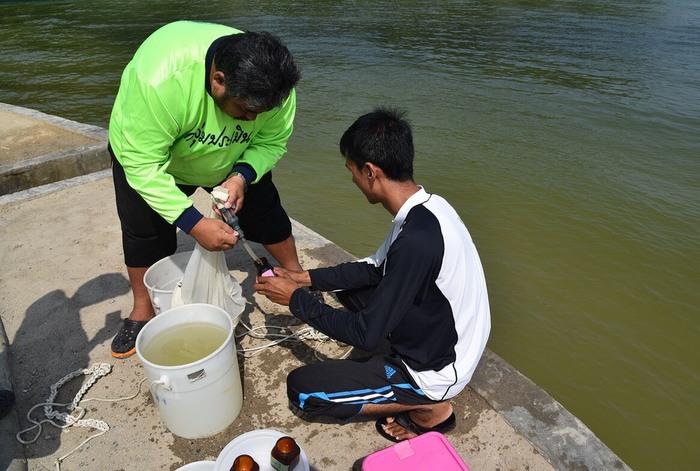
75	414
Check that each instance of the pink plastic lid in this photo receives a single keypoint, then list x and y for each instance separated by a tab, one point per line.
428	451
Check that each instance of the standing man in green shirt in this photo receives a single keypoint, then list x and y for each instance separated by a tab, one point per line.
199	104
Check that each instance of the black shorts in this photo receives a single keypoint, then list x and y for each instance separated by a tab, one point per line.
339	388
147	237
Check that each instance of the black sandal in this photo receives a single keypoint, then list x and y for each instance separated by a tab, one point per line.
404	420
124	343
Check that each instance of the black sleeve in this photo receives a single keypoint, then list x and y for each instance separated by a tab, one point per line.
411	265
345	276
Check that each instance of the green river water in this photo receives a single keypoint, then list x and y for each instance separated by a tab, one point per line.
566	134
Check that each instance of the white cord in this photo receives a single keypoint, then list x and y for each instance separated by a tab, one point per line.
283	334
75	413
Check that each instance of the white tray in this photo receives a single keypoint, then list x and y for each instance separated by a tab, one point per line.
198	466
257	444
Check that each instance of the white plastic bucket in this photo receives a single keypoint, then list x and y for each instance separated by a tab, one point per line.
201	398
162	278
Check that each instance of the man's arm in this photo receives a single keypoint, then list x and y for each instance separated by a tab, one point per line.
270	143
411	269
149	121
348	275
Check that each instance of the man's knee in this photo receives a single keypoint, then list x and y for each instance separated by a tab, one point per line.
292	391
295	386
302	394
308	398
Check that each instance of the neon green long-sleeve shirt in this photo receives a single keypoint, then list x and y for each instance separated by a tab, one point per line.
166	129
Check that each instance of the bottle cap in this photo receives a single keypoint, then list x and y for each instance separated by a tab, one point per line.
244	463
287	445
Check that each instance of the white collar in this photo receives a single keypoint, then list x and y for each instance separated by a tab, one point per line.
419	197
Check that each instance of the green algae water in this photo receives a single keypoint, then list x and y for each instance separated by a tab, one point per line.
184	344
566	134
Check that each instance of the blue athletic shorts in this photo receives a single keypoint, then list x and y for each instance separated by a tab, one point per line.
339	388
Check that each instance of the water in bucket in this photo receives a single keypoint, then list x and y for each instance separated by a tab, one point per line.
184	344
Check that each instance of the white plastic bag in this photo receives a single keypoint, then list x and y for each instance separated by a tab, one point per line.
207	280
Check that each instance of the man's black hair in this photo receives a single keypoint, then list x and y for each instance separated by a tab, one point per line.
257	68
382	137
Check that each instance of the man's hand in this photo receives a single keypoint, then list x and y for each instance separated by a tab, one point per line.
236	192
278	289
301	278
213	234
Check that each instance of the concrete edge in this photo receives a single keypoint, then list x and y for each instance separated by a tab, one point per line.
12	454
80	128
39	191
317	241
36	161
53	167
564	440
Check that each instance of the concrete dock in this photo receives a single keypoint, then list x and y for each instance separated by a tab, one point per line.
63	291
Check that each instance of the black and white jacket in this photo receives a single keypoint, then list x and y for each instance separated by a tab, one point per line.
430	297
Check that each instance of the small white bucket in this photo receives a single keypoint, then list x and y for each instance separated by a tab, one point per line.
201	398
162	277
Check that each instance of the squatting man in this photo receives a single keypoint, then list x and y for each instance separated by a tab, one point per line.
423	291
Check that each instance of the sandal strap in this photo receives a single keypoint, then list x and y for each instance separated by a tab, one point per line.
404	420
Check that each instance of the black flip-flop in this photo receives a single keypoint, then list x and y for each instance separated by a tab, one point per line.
404	420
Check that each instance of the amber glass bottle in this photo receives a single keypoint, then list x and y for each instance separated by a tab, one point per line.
245	463
285	454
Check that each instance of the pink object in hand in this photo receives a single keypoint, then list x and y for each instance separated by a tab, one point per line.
264	267
430	451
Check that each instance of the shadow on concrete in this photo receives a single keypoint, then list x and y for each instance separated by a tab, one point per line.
51	343
245	317
357	465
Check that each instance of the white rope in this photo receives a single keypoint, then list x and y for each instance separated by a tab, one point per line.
75	414
283	334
